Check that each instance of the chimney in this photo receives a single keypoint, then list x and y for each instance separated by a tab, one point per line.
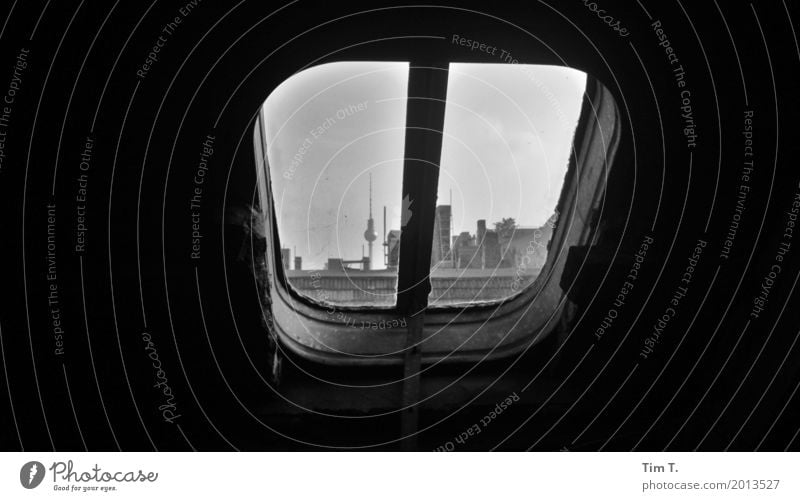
481	231
286	255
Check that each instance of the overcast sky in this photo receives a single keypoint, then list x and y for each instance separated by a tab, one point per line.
508	133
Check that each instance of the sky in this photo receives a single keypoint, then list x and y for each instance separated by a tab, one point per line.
507	138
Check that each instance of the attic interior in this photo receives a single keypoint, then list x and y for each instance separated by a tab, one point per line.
472	329
418	385
387	285
422	383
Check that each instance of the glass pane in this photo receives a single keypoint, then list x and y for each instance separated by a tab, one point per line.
507	141
335	136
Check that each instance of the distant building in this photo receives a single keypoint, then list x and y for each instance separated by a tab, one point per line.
491	250
441	254
524	248
464	238
393	249
286	256
485	266
338	264
481	231
479	252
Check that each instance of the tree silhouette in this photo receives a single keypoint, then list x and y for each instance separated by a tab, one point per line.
505	228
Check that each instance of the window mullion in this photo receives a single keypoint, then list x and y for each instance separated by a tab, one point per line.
427	90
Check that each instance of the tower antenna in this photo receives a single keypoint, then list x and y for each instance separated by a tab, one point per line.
370	235
385	243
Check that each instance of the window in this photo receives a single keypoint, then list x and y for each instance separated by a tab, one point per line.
445	193
335	136
508	134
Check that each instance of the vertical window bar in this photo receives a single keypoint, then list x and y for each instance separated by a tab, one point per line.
427	93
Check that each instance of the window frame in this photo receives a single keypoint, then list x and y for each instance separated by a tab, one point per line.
308	327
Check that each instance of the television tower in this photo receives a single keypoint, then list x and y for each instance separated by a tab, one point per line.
370	235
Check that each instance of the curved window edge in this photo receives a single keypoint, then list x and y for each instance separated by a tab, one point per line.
376	336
